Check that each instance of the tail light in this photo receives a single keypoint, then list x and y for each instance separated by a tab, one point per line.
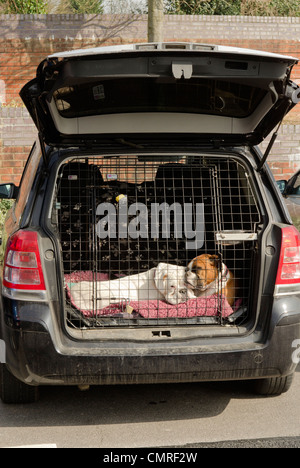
22	264
289	262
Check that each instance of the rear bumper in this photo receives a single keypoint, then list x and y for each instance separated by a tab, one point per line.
38	354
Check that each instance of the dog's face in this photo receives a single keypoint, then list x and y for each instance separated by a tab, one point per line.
170	281
202	271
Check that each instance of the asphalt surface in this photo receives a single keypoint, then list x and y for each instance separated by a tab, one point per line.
276	442
192	416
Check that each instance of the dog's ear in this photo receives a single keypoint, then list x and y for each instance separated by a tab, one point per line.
215	261
161	276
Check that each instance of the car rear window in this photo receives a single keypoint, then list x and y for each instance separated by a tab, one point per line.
126	95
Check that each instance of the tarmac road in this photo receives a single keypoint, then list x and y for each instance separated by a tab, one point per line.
223	414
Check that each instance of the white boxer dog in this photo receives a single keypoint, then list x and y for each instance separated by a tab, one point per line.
165	282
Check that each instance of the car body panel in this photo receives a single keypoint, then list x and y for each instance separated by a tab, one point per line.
251	94
224	93
291	193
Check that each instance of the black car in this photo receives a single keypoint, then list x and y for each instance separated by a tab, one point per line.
290	190
149	242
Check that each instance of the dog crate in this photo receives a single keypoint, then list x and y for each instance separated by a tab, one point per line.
118	216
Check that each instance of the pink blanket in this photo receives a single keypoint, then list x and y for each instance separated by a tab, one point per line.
213	306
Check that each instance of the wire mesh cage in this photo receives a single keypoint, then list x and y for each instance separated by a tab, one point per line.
130	228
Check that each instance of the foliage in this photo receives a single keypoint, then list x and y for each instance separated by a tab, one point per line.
23	6
5	205
297	223
203	7
51	6
86	6
119	7
234	7
270	8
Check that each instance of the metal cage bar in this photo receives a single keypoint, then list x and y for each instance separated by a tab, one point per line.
123	216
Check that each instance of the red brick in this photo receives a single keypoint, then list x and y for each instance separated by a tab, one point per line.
27	42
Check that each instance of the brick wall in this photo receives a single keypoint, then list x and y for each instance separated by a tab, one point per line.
17	134
284	159
26	39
